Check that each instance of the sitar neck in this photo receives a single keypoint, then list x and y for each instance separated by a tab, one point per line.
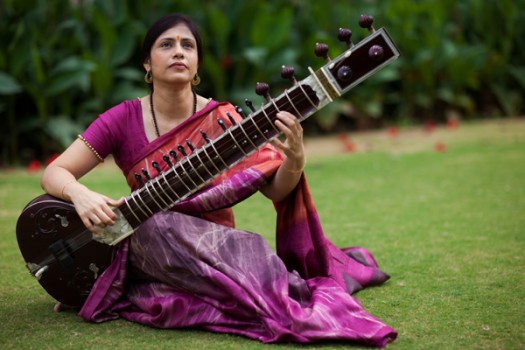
239	141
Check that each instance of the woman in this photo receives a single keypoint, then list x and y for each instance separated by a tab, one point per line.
189	267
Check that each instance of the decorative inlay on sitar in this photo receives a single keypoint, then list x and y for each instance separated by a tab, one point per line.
67	259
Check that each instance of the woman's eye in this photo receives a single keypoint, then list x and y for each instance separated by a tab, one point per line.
165	44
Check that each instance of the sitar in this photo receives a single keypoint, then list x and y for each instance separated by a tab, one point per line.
67	259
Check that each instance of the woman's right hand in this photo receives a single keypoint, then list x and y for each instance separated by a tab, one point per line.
95	210
60	180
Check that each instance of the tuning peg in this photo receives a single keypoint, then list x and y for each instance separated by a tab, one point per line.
240	112
321	50
232	121
156	166
182	151
262	89
139	179
221	124
250	105
190	145
287	73
205	137
376	52
345	35
173	155
166	159
366	21
146	174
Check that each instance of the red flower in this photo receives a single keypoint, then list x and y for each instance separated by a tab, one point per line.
429	126
226	62
348	145
393	132
52	158
34	165
452	124
440	147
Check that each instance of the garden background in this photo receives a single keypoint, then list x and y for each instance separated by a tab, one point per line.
423	163
64	62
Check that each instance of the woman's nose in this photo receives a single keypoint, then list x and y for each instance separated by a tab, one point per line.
177	50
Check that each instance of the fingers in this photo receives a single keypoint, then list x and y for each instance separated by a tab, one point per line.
97	213
291	128
289	125
116	203
97	219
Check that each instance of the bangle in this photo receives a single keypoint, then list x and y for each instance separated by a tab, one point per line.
64	187
293	171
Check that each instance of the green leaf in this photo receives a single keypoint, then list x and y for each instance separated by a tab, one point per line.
256	55
220	27
64	82
37	65
63	129
272	30
8	84
518	73
72	64
129	73
123	48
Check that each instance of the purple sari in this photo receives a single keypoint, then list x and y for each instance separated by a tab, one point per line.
181	269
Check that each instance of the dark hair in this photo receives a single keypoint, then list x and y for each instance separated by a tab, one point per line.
164	24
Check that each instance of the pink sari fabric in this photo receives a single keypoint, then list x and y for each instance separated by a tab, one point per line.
190	268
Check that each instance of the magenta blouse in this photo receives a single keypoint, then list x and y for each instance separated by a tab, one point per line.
120	131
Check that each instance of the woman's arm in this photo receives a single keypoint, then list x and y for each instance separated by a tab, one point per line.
60	180
289	173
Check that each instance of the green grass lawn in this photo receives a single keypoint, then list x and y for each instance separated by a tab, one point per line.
448	226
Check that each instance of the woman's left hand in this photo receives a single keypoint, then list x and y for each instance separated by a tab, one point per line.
292	146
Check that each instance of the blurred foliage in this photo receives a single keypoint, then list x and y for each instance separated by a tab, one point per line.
64	62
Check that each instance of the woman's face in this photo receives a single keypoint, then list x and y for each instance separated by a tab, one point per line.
173	56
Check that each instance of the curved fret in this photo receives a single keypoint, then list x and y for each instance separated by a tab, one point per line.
131	209
276	108
269	120
307	97
195	169
259	130
204	165
234	140
157	193
171	188
211	160
299	114
180	179
152	196
247	137
187	174
137	194
218	155
167	183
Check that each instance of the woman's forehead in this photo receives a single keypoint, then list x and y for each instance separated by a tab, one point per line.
179	32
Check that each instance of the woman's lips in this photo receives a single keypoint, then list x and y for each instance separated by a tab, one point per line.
178	65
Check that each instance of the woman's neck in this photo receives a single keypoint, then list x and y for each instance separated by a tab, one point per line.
173	104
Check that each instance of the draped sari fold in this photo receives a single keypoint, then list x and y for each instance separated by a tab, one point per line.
189	267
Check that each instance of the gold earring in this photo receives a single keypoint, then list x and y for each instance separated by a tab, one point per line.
196	80
148	78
